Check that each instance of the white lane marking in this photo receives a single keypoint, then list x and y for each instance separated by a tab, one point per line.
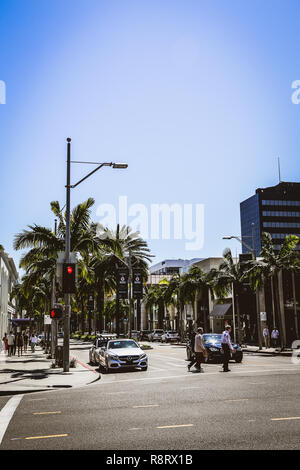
144	406
172	364
285	419
7	413
156	368
175	426
237	399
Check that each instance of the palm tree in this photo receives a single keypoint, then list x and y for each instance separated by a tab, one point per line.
156	296
270	266
121	247
230	278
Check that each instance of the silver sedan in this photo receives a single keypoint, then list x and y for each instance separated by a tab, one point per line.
122	354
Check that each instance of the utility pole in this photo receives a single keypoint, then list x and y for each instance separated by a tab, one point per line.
53	300
130	294
66	347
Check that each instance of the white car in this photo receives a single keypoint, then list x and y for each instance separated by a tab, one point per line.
156	335
122	354
100	342
170	336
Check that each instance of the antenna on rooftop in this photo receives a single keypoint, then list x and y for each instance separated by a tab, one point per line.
279	172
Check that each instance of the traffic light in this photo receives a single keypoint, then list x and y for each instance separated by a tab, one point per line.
69	278
57	312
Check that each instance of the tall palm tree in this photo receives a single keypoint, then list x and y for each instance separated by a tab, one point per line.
122	247
270	266
156	296
230	279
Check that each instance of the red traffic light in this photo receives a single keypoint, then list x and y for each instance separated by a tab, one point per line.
52	313
70	269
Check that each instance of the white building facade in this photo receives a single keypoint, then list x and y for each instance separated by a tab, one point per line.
8	277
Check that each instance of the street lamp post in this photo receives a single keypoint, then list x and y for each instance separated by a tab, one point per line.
253	250
66	356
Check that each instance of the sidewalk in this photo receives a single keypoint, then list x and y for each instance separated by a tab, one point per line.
269	351
32	372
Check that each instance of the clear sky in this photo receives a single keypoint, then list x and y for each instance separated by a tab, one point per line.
194	95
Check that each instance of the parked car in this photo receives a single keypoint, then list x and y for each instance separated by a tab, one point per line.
170	336
99	342
212	343
134	334
40	339
156	335
144	335
122	354
60	334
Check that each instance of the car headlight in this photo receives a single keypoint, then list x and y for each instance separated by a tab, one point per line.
214	349
114	357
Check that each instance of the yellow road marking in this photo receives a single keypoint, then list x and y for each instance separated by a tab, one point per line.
144	406
175	426
47	413
285	419
239	399
47	437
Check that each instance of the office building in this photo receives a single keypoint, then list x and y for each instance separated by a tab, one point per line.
275	210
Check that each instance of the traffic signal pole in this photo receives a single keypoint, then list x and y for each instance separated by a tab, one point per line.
66	347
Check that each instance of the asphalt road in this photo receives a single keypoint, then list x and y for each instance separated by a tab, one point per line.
255	406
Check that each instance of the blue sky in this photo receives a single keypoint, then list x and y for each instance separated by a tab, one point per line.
194	95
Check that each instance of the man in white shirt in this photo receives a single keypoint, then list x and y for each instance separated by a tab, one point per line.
33	341
266	335
275	336
227	347
199	349
10	342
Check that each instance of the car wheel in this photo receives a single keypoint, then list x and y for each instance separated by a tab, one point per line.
145	368
239	360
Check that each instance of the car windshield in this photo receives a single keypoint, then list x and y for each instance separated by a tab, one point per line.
158	331
121	344
172	332
212	338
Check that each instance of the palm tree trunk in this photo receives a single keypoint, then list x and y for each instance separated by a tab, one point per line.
295	305
273	301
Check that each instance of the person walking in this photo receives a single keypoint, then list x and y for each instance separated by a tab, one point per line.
11	343
25	338
19	343
275	336
192	349
33	341
266	335
199	349
5	342
227	347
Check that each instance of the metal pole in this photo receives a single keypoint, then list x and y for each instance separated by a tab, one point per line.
259	333
233	313
130	295
53	299
66	350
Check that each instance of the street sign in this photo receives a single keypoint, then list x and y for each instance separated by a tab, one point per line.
47	320
263	316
